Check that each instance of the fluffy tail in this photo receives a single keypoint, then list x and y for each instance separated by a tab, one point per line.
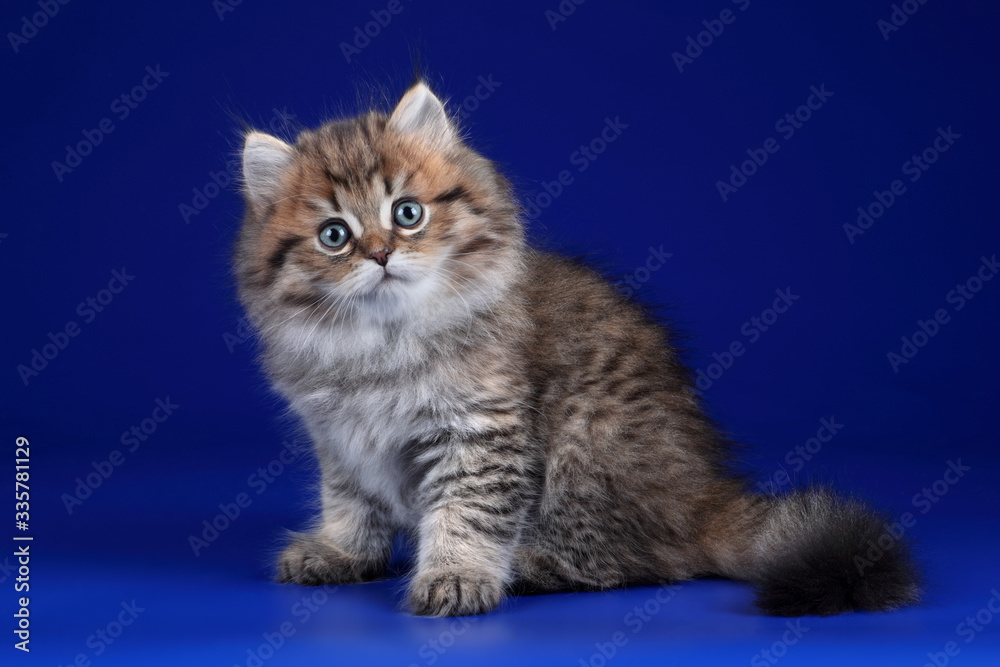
815	553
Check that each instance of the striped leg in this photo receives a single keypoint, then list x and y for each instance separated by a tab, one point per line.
475	497
351	545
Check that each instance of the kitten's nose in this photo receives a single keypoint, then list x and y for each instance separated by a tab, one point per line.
381	256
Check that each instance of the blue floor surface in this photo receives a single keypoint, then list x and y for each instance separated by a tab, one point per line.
120	584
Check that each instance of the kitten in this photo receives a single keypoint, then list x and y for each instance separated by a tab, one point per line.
526	425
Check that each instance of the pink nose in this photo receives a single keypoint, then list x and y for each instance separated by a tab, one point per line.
381	256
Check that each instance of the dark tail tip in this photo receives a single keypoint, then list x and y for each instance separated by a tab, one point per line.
844	557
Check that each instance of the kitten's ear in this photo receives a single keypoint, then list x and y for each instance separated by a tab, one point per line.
265	160
421	113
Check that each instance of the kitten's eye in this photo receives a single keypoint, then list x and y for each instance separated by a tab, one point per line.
408	213
335	234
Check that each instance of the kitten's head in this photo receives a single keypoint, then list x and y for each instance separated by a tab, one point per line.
374	220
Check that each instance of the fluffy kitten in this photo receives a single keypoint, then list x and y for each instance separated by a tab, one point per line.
526	425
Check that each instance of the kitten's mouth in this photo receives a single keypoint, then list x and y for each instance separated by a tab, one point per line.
394	277
386	282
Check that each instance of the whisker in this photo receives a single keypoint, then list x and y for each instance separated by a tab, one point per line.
271	327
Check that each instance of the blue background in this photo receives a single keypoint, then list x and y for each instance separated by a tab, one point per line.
173	331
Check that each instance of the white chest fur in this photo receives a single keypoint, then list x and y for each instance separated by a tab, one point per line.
365	401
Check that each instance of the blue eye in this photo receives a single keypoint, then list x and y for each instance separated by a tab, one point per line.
408	213
335	234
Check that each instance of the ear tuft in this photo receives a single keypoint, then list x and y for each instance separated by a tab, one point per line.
421	114
265	160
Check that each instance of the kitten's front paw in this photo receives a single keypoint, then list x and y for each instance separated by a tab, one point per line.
454	593
309	561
